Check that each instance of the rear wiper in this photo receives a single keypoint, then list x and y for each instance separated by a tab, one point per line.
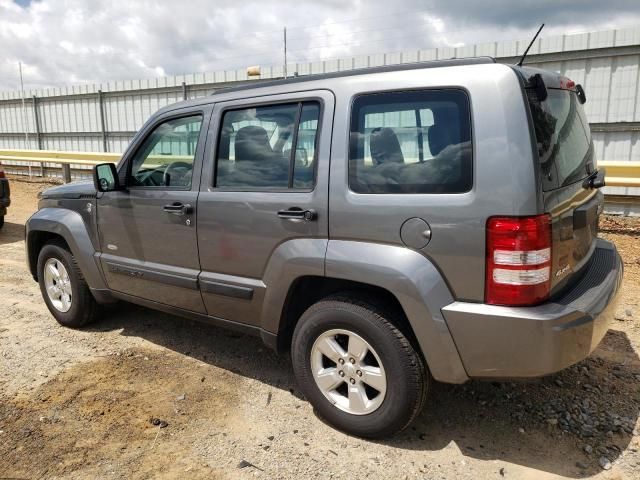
595	180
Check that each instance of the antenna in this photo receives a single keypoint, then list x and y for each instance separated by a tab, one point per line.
527	50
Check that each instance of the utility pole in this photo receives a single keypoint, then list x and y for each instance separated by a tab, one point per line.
285	52
24	110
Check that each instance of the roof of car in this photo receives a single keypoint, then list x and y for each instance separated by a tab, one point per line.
360	71
259	85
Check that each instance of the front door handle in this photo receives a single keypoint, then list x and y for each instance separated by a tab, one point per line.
297	213
178	208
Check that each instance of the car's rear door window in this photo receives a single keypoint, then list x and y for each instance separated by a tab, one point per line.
411	142
268	147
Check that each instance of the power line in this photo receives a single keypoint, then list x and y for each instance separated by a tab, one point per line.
271	56
362	19
278	45
330	45
271	53
357	43
309	27
355	31
337	35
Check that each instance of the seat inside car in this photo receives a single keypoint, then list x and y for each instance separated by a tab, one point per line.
443	132
450	165
385	146
252	144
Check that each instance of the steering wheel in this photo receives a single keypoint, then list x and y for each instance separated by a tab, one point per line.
166	176
150	178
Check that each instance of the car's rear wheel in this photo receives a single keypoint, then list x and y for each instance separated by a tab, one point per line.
357	368
63	287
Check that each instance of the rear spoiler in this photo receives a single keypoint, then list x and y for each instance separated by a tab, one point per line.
537	82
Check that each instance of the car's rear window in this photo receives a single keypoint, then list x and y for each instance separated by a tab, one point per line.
411	142
563	138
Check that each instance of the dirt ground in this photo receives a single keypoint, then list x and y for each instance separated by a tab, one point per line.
142	394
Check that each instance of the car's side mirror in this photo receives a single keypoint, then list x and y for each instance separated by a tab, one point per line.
105	177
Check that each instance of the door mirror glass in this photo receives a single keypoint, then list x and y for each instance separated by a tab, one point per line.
105	177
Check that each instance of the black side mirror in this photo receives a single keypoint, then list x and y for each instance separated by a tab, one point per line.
105	178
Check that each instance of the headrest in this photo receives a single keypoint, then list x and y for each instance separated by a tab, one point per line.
385	146
252	143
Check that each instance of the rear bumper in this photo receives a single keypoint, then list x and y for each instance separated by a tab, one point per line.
516	342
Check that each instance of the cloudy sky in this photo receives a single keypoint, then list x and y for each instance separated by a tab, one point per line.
62	42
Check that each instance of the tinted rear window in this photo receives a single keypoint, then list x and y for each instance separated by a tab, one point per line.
411	142
563	138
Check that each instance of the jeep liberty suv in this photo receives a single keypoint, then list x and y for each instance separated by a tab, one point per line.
387	226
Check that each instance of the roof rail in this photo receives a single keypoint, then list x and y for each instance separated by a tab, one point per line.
453	62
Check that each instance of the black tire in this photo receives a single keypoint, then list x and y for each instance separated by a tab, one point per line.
407	378
1	221
84	308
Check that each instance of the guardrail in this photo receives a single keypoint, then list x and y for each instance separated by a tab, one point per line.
65	159
618	174
621	174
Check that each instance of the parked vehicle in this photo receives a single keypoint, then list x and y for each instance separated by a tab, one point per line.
5	196
388	226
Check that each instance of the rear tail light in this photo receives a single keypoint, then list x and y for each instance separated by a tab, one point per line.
518	260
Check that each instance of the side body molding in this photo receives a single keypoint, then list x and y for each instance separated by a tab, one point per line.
419	288
70	226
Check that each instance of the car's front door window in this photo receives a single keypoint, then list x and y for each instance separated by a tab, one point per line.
166	157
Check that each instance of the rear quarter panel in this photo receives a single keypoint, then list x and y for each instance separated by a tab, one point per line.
504	180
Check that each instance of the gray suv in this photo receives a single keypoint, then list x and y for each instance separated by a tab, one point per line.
387	226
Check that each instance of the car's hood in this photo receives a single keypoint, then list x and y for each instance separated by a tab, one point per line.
80	189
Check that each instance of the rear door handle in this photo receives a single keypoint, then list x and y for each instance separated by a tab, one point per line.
178	208
296	213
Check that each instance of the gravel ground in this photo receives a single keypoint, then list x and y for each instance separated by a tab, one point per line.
142	394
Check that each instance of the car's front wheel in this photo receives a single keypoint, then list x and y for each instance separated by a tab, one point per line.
63	287
358	369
